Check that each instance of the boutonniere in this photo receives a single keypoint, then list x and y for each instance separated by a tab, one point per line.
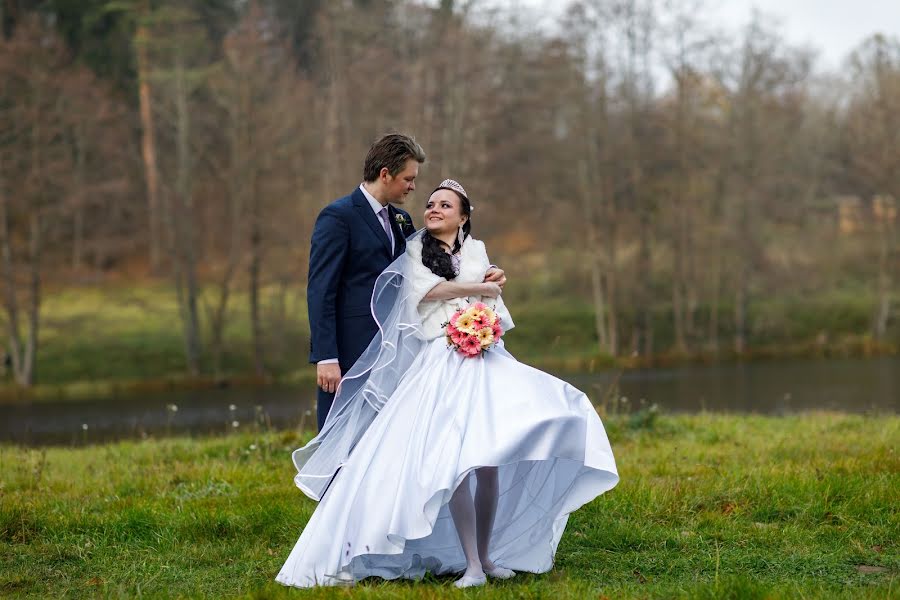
401	219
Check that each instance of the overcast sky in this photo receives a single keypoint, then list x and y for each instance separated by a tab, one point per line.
834	27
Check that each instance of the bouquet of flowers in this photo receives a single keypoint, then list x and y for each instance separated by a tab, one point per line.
473	329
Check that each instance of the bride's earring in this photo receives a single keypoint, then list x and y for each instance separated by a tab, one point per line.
460	236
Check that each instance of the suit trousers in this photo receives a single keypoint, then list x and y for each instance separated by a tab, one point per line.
323	405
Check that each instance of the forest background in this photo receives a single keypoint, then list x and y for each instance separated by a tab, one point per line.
658	188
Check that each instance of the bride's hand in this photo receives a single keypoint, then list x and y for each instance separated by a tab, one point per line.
495	275
491	290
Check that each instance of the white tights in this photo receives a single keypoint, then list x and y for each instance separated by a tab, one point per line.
475	520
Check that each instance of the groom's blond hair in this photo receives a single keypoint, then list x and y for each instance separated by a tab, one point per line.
391	151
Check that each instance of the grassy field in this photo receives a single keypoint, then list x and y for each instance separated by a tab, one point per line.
105	340
129	333
709	506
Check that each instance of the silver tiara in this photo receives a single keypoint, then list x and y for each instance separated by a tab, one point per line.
452	184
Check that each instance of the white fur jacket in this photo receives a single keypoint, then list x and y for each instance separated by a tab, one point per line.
473	265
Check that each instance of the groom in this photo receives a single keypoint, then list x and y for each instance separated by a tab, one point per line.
355	238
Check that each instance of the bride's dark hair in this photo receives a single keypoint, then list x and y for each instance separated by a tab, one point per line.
433	256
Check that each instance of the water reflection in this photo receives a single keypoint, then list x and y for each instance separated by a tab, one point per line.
855	385
769	388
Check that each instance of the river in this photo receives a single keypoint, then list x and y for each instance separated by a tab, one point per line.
776	388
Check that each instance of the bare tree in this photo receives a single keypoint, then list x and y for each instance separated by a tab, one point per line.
634	23
35	170
874	128
182	59
99	195
262	100
140	17
591	125
759	127
686	57
148	133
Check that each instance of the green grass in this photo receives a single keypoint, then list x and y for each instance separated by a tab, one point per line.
103	341
560	333
134	332
708	507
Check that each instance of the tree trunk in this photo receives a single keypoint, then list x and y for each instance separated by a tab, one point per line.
742	274
23	358
692	284
186	270
241	171
27	374
217	318
644	272
740	316
678	303
148	140
715	220
612	278
333	142
715	276
593	254
883	300
80	196
679	206
255	270
9	290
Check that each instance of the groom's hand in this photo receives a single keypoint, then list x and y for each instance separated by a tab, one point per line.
495	275
328	376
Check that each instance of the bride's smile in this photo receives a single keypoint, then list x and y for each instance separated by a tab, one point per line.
443	214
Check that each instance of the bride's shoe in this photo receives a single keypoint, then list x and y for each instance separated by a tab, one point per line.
470	581
344	578
498	572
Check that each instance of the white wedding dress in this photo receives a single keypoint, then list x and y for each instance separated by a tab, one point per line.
385	513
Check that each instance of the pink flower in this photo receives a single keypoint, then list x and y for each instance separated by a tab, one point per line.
457	337
454	318
498	330
470	346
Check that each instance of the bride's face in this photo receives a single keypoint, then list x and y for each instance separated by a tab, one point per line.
443	212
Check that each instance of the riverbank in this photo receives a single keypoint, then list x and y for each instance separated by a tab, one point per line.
709	506
304	378
114	341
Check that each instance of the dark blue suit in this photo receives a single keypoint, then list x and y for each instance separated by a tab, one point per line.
349	250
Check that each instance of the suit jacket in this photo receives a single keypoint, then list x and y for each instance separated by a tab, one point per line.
349	250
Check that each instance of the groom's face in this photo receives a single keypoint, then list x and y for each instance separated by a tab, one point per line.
398	187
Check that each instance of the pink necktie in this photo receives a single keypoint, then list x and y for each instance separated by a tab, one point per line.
383	213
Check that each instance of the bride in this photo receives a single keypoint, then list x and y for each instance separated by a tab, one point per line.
432	462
